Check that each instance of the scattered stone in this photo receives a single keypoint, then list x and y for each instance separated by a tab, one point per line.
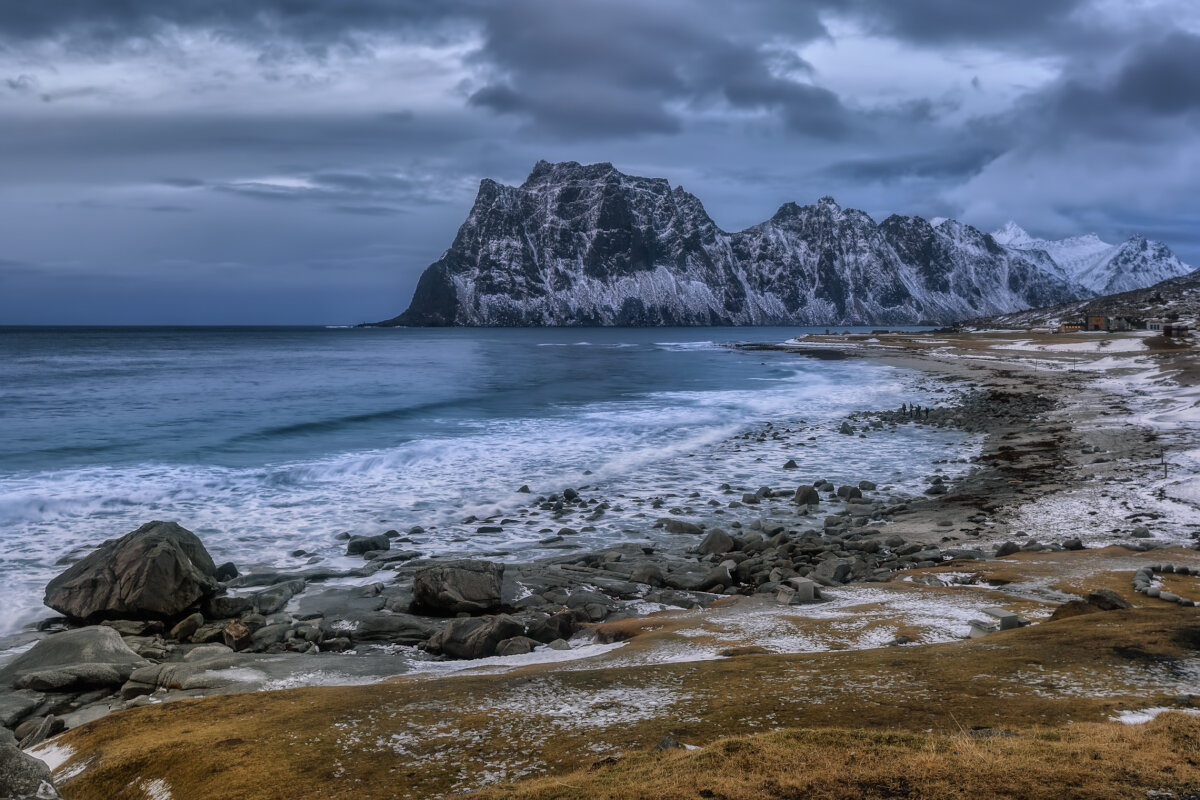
807	496
358	545
668	742
680	526
1007	549
237	635
650	574
516	646
717	542
186	627
791	464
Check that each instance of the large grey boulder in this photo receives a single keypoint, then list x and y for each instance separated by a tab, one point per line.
23	777
83	658
474	637
456	587
156	571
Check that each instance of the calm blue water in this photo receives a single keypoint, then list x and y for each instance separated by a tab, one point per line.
264	441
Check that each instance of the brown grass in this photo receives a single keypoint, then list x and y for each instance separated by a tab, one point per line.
1094	761
438	737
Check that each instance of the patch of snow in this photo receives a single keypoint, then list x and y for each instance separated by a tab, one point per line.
53	753
1146	714
156	789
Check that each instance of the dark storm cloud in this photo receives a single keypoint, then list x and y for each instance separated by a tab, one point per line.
942	164
971	21
278	135
597	69
107	22
1153	86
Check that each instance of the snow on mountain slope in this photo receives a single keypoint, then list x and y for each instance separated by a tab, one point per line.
1098	266
588	245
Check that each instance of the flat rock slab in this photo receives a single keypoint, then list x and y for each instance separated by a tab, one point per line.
93	651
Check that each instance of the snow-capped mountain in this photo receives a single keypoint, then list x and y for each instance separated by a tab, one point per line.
589	245
1096	265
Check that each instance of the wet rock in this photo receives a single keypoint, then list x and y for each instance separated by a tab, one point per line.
650	574
134	627
680	526
791	464
381	626
156	571
474	637
187	626
274	599
466	586
15	706
846	429
33	732
21	775
237	635
548	628
227	606
807	496
750	498
717	542
358	545
516	646
225	572
848	492
832	571
699	578
1007	549
1141	532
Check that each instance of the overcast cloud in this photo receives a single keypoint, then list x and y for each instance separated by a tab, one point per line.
296	161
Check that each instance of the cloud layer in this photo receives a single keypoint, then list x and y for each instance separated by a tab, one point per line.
302	161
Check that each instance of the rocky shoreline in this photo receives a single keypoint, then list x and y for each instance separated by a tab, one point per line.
151	618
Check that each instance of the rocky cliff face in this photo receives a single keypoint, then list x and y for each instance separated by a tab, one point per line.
587	245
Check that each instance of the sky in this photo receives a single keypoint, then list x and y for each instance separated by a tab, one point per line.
302	161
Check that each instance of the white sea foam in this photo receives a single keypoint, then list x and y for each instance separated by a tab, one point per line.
626	450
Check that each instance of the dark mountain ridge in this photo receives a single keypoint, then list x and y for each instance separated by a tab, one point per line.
587	245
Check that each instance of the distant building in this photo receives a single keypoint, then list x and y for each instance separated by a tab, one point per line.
1099	322
1155	324
1070	327
1175	329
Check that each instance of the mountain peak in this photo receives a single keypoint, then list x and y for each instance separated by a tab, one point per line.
1010	234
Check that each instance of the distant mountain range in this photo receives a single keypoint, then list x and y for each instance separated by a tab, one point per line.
1098	266
586	245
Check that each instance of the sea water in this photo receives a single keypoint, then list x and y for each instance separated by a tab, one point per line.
265	441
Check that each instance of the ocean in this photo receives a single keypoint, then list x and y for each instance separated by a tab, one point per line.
265	441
